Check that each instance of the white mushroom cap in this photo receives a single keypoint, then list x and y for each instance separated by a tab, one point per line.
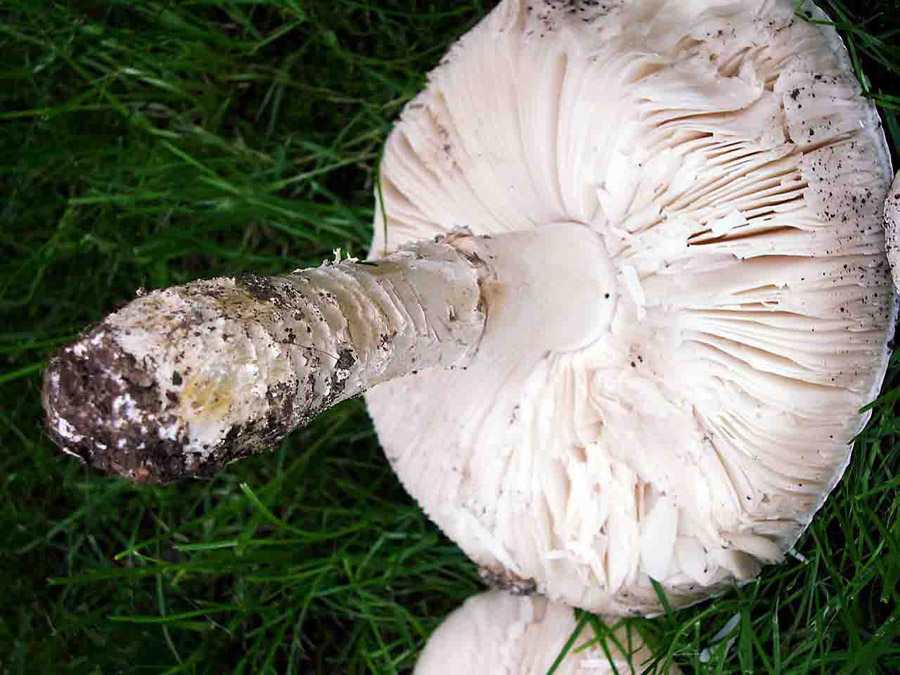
726	157
497	633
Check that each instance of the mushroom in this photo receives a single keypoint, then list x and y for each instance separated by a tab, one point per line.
497	633
643	360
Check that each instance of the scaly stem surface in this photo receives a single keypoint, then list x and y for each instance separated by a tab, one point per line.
184	380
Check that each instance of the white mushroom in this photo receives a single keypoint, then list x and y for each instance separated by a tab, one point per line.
497	633
648	361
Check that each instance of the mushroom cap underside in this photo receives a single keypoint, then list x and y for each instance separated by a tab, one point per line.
726	157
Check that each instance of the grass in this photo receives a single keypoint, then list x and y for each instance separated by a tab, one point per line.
147	143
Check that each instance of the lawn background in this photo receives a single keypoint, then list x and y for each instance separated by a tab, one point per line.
145	144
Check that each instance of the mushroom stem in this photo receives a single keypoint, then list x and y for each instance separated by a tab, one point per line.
184	380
